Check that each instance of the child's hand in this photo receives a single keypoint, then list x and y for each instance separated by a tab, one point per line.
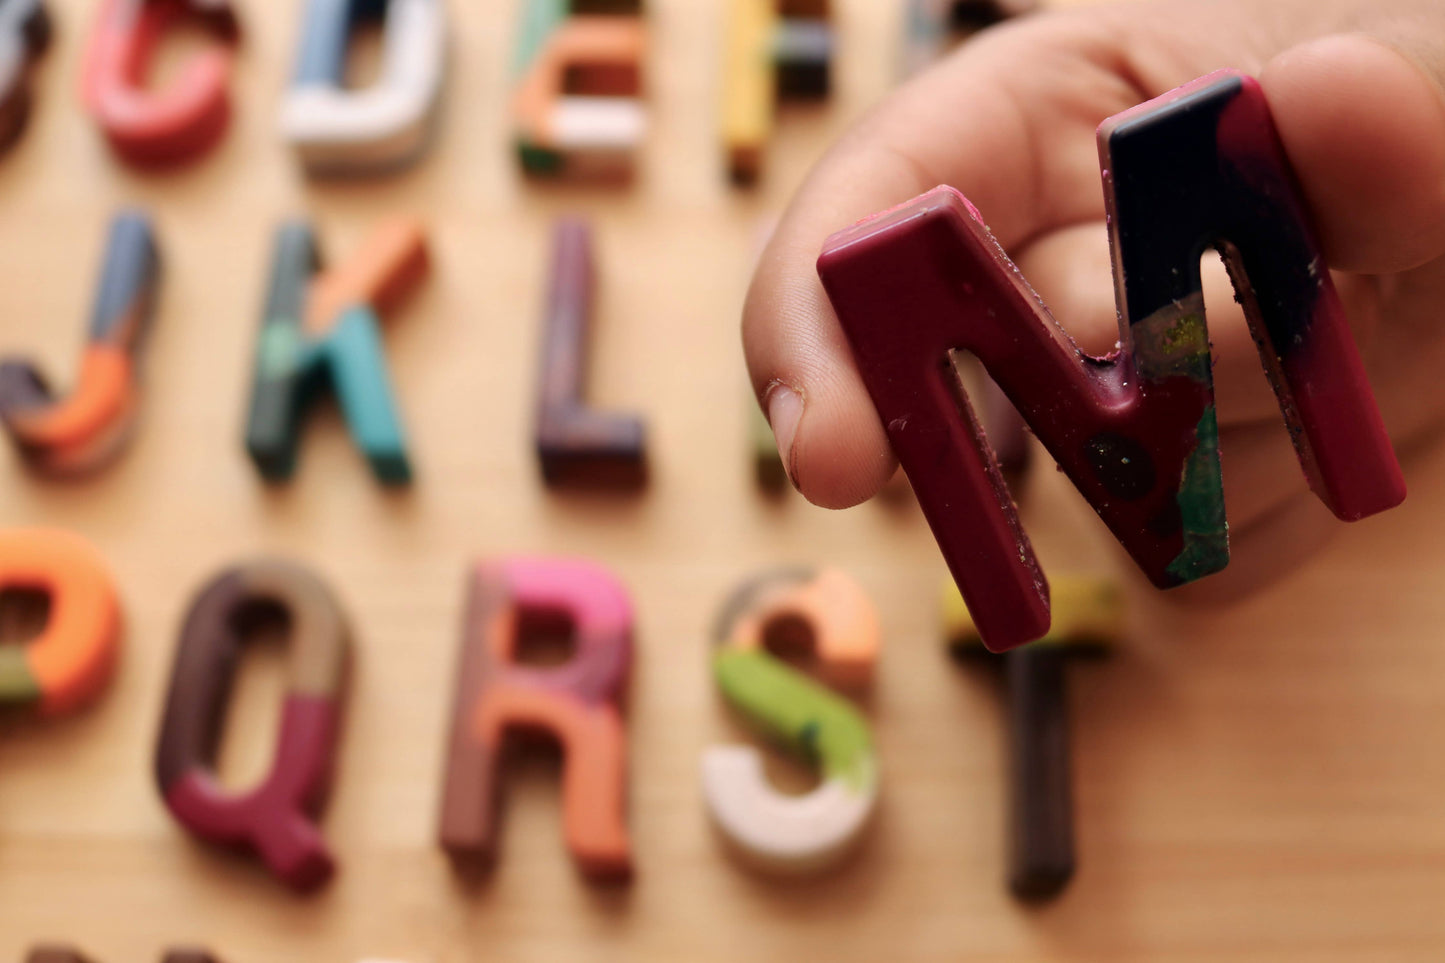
1357	88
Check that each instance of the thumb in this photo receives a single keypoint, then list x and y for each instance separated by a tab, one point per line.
1363	122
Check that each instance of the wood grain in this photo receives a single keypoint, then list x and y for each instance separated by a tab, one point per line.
1261	782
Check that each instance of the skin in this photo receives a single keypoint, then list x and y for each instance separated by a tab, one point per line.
1357	89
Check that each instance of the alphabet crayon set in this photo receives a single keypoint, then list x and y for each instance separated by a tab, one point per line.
785	660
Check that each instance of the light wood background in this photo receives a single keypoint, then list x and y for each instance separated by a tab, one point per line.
1257	782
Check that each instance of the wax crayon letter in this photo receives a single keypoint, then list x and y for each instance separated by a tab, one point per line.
577	703
1136	432
278	818
325	332
774	51
578	70
575	443
188	116
88	427
384	125
832	613
73	658
1088	621
25	33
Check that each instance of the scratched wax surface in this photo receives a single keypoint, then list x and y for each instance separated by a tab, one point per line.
1261	782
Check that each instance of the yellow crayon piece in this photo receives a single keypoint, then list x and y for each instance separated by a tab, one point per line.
749	86
1086	609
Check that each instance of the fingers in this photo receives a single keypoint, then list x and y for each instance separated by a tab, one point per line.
828	434
1071	270
1363	123
1407	353
974	122
1364	127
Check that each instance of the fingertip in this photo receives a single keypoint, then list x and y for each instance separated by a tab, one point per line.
1364	127
828	435
784	407
839	455
829	438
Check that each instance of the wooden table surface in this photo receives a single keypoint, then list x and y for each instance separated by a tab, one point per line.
1257	782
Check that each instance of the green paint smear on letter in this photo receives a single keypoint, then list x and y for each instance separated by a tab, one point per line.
539	19
1201	502
282	345
18	685
801	715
